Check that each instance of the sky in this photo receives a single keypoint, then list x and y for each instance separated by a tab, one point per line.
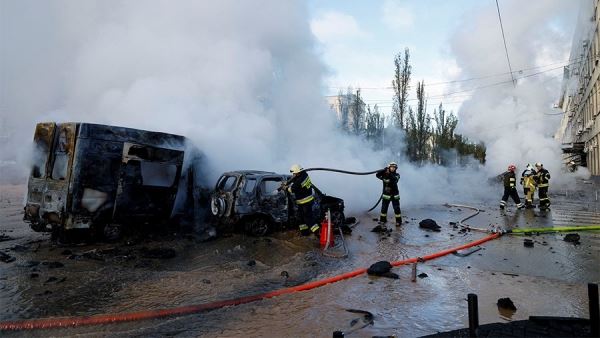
358	41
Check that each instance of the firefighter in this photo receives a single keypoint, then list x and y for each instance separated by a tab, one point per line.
390	179
510	188
302	188
542	179
528	183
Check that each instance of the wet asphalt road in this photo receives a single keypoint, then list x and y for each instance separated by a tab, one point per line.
548	279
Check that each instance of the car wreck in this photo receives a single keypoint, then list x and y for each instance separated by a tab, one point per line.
100	178
253	201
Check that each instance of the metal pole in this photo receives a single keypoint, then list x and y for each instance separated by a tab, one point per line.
594	309
473	314
414	273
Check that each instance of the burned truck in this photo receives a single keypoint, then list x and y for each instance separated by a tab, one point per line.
101	178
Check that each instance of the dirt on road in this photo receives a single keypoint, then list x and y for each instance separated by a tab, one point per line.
161	270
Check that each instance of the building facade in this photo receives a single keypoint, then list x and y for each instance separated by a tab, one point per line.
579	131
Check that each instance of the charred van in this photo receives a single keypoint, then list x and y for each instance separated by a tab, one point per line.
100	178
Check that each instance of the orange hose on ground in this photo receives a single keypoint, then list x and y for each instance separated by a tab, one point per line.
47	323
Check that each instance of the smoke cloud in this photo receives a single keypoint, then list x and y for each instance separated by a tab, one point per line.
243	80
514	121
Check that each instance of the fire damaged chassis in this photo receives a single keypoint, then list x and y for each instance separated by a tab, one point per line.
99	178
251	201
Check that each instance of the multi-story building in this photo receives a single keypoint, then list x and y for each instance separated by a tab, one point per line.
579	131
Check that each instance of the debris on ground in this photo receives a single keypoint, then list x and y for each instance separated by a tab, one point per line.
53	265
6	258
429	224
4	238
382	269
572	238
422	275
162	253
380	228
506	303
528	243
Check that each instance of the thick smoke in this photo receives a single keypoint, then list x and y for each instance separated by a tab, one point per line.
514	121
243	81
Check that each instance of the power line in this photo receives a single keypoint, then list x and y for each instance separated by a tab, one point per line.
518	71
504	40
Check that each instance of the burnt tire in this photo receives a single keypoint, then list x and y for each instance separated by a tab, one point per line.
112	232
257	227
217	206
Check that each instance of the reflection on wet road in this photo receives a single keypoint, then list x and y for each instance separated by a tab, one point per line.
548	279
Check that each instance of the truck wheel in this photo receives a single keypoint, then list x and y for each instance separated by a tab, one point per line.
257	227
112	232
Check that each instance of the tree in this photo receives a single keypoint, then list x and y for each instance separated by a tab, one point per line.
443	135
419	128
375	123
343	101
356	113
401	85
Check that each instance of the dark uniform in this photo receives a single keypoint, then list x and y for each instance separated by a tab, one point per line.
510	189
302	188
390	194
542	179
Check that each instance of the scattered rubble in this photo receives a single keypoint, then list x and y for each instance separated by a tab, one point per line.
53	265
382	269
506	303
6	258
528	243
429	224
4	238
572	238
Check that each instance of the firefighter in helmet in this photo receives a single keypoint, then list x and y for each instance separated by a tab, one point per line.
528	183
510	188
390	179
302	188
542	179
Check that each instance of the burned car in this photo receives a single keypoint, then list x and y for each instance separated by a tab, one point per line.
252	201
98	177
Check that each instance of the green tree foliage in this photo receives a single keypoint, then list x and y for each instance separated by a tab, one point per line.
375	124
401	85
443	135
419	129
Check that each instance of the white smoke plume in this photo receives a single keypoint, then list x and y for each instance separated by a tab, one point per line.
515	121
243	80
240	79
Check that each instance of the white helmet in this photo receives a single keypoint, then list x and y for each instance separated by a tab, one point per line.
538	164
393	164
296	168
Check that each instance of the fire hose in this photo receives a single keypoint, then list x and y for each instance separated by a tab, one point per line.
466	226
521	231
47	323
524	231
350	173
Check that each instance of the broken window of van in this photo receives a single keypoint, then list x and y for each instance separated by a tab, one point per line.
270	186
41	151
250	185
227	183
61	157
40	157
158	174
